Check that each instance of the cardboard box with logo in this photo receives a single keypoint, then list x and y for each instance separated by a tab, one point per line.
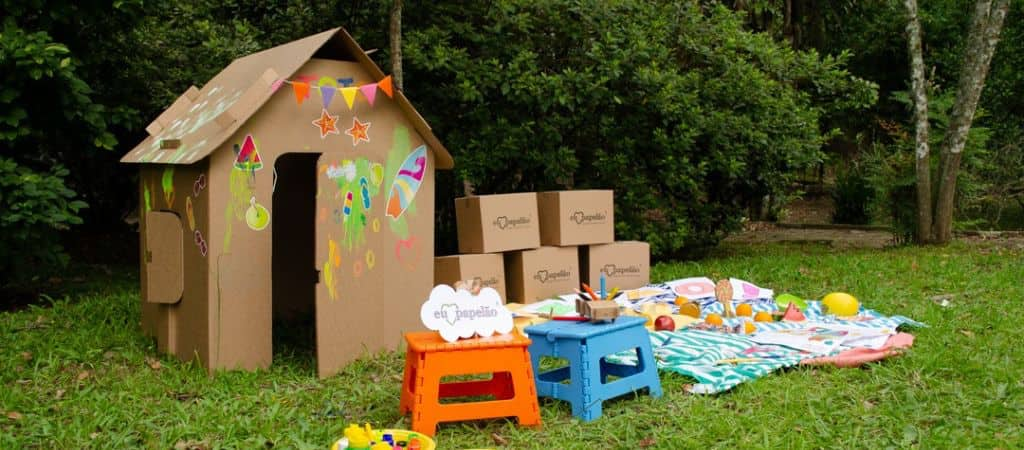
626	264
497	223
576	217
541	273
489	268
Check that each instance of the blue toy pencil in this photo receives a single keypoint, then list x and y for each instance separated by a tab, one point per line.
603	291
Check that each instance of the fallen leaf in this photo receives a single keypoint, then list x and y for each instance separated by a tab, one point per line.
498	439
868	404
967	333
803	271
27	356
153	363
94	435
14	415
59	394
192	445
23	381
646	442
914	266
83	375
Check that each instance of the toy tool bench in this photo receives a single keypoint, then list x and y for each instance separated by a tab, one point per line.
585	345
429	359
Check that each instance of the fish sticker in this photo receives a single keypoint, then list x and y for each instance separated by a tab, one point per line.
407	182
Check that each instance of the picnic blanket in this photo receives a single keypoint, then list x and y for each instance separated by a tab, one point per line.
720	361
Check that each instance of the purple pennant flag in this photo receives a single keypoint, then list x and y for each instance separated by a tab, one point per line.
327	94
369	91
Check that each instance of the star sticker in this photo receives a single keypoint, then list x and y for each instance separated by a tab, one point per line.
358	131
327	124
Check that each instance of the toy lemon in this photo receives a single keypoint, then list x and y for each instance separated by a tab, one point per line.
840	304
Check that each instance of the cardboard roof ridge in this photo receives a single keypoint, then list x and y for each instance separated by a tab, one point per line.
248	81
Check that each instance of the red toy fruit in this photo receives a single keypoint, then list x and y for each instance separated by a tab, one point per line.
664	323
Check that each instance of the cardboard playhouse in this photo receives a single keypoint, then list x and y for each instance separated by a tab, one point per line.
296	180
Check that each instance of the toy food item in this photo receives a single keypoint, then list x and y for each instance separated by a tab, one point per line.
723	293
713	319
840	304
664	323
793	314
745	310
783	300
749	327
688	308
763	316
257	217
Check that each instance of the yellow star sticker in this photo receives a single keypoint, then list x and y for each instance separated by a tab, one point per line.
327	124
358	131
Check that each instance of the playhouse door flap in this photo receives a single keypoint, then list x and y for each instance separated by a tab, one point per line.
163	257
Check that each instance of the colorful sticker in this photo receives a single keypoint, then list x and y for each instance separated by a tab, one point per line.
376	225
197	236
256	217
376	173
168	185
408	253
358	131
365	193
327	124
199	185
248	158
407	182
371	259
347	206
190	214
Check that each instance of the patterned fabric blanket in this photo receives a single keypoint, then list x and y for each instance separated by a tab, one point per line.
719	361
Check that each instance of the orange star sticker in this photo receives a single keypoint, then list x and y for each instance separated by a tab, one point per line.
358	131
327	124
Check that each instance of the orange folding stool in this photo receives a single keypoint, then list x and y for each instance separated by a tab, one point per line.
430	358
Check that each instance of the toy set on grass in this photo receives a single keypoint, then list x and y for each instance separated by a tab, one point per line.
335	220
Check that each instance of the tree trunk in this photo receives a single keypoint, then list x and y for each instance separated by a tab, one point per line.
986	25
395	36
922	161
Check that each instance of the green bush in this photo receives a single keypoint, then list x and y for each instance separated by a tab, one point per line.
852	196
689	118
35	207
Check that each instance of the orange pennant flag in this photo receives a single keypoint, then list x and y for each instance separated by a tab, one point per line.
301	91
350	95
385	85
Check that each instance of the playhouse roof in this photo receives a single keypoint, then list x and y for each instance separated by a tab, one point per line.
199	121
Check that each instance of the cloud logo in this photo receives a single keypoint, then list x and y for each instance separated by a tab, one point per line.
458	314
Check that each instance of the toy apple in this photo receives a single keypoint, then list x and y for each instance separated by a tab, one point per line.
664	323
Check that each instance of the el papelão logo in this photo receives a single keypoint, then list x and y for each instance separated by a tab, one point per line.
489	282
612	270
592	218
512	223
545	275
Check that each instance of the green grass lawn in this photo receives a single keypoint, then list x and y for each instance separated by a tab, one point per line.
79	374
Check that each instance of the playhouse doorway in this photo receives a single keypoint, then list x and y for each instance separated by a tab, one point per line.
293	250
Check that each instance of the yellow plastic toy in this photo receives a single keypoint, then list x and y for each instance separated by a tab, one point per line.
840	304
361	438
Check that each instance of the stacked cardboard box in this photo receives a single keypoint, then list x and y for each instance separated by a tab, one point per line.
547	243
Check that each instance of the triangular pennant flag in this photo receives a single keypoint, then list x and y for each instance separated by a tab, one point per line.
305	78
301	91
327	94
369	91
350	95
385	85
276	85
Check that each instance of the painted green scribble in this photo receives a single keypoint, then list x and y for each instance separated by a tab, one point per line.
355	225
241	192
145	198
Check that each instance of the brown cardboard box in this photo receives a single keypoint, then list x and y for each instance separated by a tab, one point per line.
497	223
626	264
489	268
250	213
576	217
541	273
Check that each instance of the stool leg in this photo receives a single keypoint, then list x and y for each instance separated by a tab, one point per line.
646	359
525	392
408	382
425	411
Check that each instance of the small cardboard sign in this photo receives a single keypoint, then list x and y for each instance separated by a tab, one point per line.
459	314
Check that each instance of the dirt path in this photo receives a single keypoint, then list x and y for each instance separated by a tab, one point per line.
761	232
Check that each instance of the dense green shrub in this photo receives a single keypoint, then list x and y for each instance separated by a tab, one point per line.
35	205
687	116
852	196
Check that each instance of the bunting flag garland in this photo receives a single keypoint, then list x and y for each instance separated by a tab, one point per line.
370	92
301	91
385	85
302	85
350	95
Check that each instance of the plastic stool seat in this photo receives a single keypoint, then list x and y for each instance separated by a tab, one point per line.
429	358
585	346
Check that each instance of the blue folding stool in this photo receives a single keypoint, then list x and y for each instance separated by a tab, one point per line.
585	346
